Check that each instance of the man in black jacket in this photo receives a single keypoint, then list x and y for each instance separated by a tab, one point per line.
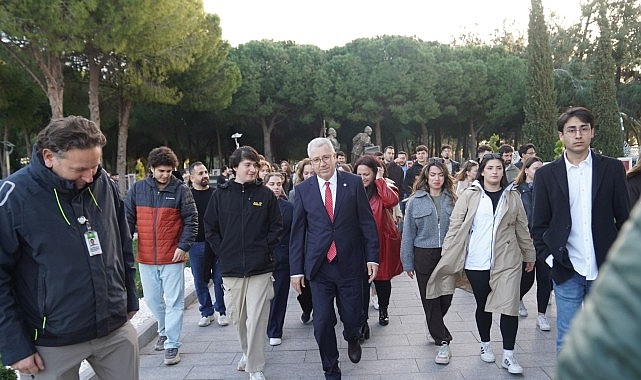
243	225
67	288
580	204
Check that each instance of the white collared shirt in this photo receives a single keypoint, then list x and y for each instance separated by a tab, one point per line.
580	244
333	184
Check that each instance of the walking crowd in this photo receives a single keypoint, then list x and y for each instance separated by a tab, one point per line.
335	232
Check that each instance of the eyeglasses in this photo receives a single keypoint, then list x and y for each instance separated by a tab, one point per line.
583	130
492	156
325	158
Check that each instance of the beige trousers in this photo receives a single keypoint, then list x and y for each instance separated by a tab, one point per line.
247	300
113	357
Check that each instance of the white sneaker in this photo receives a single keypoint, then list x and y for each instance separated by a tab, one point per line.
223	320
205	321
256	375
487	355
275	341
512	366
374	300
542	322
444	354
242	363
522	309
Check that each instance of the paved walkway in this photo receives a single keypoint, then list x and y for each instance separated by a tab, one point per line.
398	351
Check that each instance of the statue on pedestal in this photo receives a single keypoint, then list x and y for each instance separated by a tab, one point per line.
360	141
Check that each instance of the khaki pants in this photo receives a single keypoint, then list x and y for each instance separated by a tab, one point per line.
114	357
247	300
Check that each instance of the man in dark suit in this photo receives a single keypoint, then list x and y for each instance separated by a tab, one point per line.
580	204
335	245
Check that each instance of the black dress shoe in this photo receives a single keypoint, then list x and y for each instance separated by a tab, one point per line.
354	351
364	332
305	318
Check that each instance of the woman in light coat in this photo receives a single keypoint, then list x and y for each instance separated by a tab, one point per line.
489	238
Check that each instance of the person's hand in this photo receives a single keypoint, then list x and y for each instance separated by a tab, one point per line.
410	273
179	255
131	314
372	270
298	283
30	365
529	267
380	172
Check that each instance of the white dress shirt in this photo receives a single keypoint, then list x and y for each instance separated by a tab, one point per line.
580	244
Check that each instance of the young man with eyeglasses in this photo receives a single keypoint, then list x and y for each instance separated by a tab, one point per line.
525	151
581	202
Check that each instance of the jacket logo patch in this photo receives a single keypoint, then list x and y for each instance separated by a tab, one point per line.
6	189
257	204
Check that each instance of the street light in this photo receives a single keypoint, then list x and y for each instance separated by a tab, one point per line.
8	149
236	136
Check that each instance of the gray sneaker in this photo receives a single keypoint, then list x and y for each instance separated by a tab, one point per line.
444	354
172	356
160	343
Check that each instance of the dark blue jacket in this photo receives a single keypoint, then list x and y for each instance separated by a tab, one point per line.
52	292
243	225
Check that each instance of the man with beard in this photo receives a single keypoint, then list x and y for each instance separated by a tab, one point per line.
204	263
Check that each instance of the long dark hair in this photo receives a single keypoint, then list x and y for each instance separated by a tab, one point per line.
487	158
373	163
526	165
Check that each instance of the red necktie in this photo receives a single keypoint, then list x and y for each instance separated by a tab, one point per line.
331	253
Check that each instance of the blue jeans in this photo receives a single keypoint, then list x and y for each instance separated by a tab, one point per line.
164	288
569	297
197	261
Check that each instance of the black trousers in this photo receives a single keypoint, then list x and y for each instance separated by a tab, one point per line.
480	281
384	291
543	284
425	260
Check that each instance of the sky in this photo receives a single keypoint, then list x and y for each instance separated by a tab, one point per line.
330	23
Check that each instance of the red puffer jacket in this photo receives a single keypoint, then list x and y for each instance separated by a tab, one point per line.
166	219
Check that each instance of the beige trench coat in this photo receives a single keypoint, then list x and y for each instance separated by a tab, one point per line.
512	246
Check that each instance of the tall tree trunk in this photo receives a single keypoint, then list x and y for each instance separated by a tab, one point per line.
94	85
473	136
123	134
423	133
378	134
267	138
50	64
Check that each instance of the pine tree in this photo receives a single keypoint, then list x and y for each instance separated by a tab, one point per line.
540	115
609	137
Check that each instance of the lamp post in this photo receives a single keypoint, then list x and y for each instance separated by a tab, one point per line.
8	149
236	136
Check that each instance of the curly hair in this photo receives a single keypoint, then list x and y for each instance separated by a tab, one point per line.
162	156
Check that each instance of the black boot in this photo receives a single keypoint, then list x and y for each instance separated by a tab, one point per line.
383	319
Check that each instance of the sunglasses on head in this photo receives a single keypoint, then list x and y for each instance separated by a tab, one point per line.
491	156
